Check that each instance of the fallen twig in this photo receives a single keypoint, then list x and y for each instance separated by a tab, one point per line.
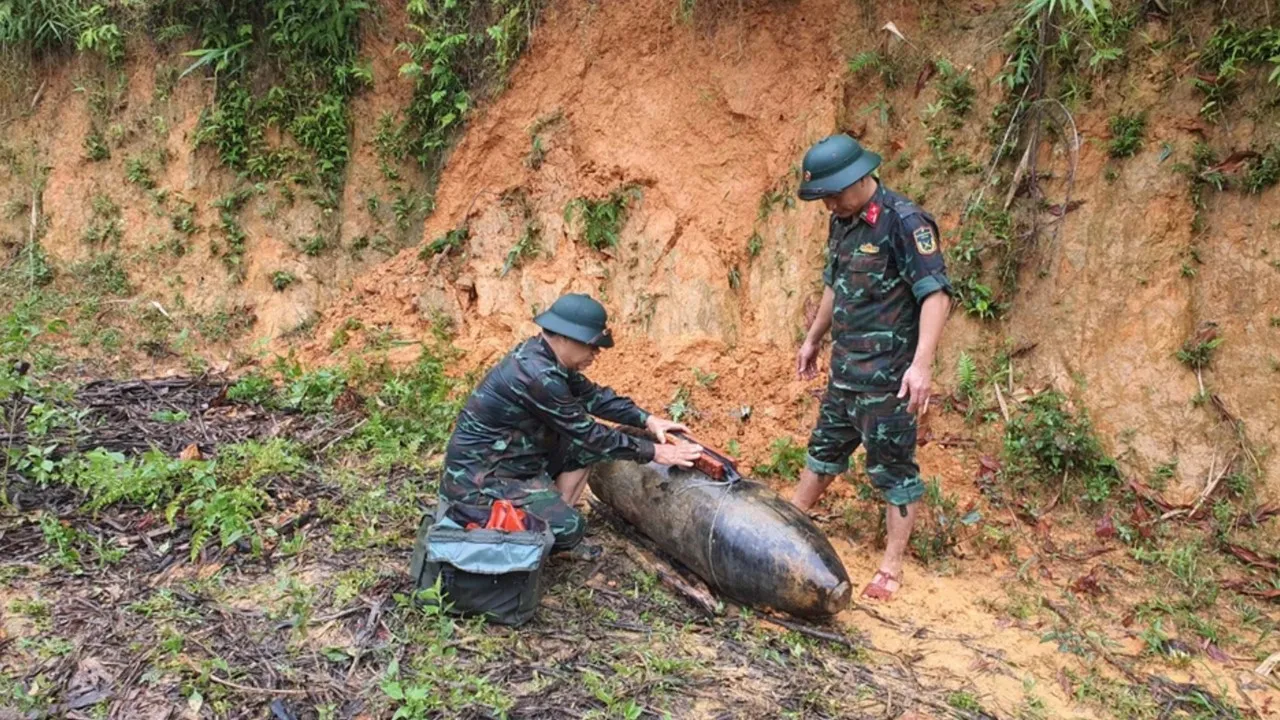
1097	646
257	690
811	631
699	596
1004	409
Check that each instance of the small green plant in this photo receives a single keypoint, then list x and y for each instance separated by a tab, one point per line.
253	390
786	460
170	416
342	335
1047	443
961	700
451	240
229	207
1263	172
704	380
1127	132
536	153
282	279
603	219
183	220
226	323
95	145
889	70
681	407
537	148
956	92
938	534
755	244
966	377
526	246
104	274
104	224
139	173
313	245
1197	354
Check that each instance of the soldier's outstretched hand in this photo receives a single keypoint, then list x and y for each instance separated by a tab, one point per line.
807	361
916	385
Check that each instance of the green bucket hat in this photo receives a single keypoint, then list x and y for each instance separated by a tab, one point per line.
578	317
833	164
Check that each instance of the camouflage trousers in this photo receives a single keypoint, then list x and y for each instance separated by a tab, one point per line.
538	496
879	422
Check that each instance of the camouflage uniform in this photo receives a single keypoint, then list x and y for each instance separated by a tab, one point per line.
881	266
528	421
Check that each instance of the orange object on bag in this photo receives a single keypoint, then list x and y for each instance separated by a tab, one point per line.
505	516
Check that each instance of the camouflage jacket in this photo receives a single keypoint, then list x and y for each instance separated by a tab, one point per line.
881	265
516	417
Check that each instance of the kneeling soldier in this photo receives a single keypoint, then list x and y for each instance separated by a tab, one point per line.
527	433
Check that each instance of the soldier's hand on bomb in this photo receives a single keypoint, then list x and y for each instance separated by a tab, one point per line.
679	454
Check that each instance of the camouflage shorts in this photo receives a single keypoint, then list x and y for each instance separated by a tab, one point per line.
538	496
878	421
543	501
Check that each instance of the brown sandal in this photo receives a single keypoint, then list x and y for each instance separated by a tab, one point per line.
878	588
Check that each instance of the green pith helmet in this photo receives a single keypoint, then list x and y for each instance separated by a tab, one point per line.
833	164
578	317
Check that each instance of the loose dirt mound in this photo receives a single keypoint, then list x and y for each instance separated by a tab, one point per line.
704	142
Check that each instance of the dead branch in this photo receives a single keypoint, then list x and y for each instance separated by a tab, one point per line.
1238	426
812	632
699	596
1004	409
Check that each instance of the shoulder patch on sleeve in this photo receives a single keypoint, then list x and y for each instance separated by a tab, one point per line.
926	243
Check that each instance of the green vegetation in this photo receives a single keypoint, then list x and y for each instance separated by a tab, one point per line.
529	243
104	228
104	274
681	408
138	172
46	27
451	240
95	145
314	43
229	207
464	49
1264	171
537	148
1050	448
955	92
786	460
1068	43
886	66
937	533
1126	134
1197	353
986	247
282	279
602	219
1227	55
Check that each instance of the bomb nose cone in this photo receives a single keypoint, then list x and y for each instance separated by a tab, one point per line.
838	599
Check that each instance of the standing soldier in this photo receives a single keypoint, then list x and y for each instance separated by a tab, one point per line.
527	433
885	300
